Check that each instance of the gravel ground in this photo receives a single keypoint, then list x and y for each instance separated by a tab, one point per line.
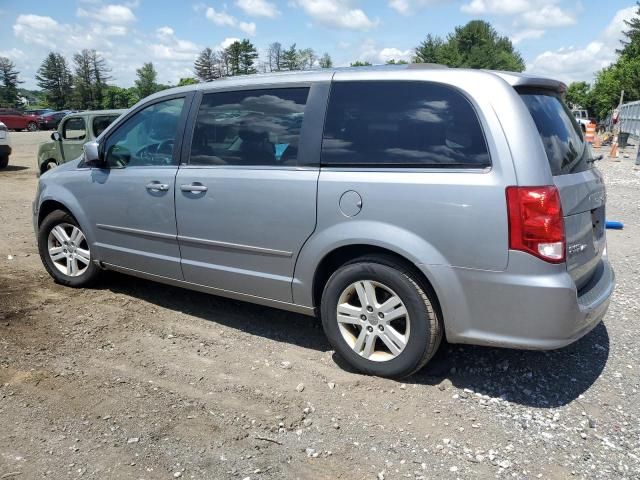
133	379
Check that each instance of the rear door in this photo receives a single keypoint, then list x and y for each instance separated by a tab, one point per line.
246	201
581	186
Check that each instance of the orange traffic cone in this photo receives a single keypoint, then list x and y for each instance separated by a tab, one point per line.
597	143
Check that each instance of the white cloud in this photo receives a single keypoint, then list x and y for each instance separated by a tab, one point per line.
258	8
498	7
337	13
165	31
405	7
547	16
530	19
116	14
370	52
396	54
526	34
223	19
580	63
248	27
226	42
37	29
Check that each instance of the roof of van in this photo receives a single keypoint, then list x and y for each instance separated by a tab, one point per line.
512	78
113	111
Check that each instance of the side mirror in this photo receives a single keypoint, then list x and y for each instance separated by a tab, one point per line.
92	157
55	136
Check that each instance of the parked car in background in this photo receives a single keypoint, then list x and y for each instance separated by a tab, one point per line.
51	120
74	130
39	111
5	146
16	120
398	203
582	117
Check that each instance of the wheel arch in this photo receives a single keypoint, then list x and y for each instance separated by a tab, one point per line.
346	253
43	164
50	205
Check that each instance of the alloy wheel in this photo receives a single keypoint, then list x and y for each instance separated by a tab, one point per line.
373	320
68	249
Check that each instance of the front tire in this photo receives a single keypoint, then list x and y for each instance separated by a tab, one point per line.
4	161
65	251
49	165
380	318
32	126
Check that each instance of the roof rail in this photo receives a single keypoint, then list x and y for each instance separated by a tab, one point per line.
424	66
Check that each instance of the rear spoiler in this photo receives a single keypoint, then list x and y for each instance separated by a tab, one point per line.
523	80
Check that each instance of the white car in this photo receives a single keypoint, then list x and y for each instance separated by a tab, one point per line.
5	146
582	117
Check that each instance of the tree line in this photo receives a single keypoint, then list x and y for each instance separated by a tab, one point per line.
84	83
623	74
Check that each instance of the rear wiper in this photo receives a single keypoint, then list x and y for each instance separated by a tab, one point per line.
595	159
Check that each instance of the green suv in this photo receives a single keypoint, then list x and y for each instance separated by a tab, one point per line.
74	131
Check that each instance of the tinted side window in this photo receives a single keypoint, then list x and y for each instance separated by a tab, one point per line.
74	129
101	123
255	127
393	123
147	138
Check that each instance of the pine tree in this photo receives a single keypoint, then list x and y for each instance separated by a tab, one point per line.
9	83
100	78
239	58
248	57
290	58
146	81
90	79
54	77
631	43
325	61
233	54
207	65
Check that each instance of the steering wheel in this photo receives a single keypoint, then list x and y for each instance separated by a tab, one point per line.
166	146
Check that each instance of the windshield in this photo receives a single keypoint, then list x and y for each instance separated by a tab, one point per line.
561	135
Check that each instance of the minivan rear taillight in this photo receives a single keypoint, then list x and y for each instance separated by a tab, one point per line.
536	225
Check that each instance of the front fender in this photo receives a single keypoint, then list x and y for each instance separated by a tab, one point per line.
46	151
364	232
59	194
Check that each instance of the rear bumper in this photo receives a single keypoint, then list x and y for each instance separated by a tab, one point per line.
529	306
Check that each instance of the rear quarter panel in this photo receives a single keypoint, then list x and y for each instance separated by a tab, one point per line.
431	217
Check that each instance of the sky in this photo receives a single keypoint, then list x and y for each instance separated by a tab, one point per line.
567	40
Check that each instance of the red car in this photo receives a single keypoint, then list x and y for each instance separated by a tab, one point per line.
16	120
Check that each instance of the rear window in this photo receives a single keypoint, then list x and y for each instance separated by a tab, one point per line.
561	135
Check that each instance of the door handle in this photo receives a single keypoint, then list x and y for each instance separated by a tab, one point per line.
194	188
157	186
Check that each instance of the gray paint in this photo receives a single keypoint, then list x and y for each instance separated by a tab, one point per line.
258	234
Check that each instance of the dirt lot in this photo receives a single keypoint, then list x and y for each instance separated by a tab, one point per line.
138	380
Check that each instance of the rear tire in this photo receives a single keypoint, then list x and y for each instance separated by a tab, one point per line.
32	126
65	251
4	161
386	343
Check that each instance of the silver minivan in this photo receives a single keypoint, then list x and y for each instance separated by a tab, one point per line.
400	204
